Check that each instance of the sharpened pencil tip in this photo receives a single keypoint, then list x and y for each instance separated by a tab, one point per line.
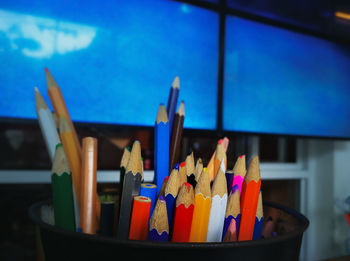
46	69
36	89
176	83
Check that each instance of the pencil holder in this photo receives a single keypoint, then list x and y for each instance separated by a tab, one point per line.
283	242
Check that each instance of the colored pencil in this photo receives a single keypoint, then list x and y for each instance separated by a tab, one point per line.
47	124
183	214
259	219
59	105
131	188
62	192
149	190
170	194
220	155
139	218
182	173
88	218
172	102
161	147
71	151
159	227
202	202
190	169
162	189
176	136
198	170
218	206
249	200
233	212
239	171
123	163
225	141
108	209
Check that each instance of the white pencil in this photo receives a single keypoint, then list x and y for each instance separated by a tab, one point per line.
218	206
47	124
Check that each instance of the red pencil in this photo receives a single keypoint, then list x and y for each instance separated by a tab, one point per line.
183	214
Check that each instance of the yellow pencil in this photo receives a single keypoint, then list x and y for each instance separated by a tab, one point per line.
202	203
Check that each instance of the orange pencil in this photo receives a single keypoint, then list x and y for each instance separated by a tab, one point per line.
71	151
139	218
59	105
220	154
88	221
249	200
202	203
225	141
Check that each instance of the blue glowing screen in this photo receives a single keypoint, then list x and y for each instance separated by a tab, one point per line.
113	60
282	82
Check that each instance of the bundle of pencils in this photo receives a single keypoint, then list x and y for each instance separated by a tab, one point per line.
187	202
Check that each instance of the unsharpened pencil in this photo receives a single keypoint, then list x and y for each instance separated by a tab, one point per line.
62	191
183	214
139	218
88	217
159	227
47	124
249	200
149	190
161	147
176	136
131	188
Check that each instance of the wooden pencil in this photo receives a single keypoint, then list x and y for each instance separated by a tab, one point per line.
259	219
239	172
62	191
232	215
72	153
162	189
131	188
225	142
88	217
202	202
218	206
198	170
161	147
176	136
159	227
249	200
220	155
123	163
172	102
149	190
190	170
47	124
170	194
59	105
139	218
183	214
182	173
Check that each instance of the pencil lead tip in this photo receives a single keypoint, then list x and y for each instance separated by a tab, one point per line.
46	69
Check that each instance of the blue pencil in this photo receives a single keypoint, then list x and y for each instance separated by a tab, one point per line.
170	194
159	227
233	211
161	147
259	219
172	102
149	190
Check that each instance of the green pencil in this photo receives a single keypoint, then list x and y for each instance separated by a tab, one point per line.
62	191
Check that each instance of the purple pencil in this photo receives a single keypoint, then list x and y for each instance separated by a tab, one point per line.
159	227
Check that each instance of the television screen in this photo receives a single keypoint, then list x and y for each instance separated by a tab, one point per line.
283	82
113	60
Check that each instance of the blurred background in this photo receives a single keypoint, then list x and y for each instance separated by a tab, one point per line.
272	76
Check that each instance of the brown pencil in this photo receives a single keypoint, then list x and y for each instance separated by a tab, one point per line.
176	136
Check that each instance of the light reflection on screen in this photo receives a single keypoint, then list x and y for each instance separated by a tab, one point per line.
114	61
278	81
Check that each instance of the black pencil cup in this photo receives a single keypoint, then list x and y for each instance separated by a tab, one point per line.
58	244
